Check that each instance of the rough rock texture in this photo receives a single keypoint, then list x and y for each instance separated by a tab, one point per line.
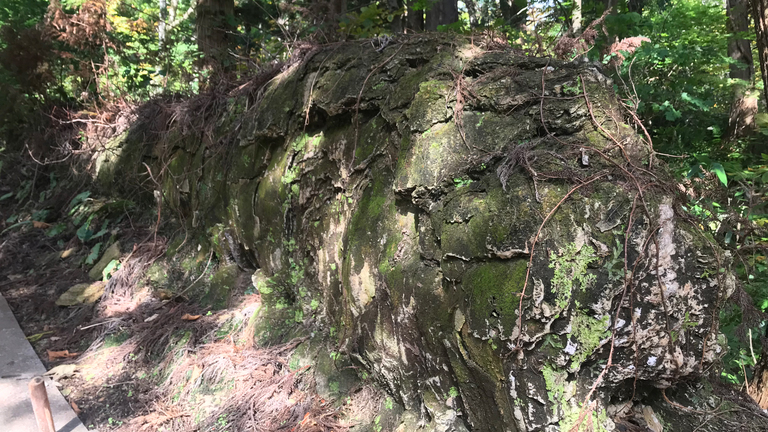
396	196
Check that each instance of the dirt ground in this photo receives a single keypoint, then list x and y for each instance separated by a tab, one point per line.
144	359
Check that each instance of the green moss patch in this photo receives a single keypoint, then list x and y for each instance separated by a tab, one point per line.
493	288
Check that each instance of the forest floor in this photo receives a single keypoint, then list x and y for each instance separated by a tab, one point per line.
144	359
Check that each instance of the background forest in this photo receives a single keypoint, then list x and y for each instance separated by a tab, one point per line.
693	71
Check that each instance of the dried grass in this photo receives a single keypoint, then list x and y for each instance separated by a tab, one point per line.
628	45
260	392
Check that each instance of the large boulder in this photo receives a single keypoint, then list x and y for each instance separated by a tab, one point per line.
491	251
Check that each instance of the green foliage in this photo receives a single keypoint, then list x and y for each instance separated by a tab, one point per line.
462	182
554	380
94	254
93	218
25	13
678	82
453	392
614	263
143	65
372	20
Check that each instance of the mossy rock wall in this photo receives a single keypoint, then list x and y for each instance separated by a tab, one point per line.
394	196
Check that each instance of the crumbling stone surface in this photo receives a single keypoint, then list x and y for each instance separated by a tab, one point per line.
396	196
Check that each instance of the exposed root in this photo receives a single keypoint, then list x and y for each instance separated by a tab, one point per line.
518	344
360	96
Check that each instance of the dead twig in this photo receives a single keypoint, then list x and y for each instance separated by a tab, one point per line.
201	274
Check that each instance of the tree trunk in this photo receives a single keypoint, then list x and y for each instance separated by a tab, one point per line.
450	11
338	7
213	31
415	18
511	12
741	120
474	16
443	12
634	6
398	22
161	26
760	14
576	17
759	387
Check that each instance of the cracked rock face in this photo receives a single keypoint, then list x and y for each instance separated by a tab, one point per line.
410	216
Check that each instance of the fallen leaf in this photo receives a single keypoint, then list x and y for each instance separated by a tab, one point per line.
67	253
188	317
196	372
42	225
112	253
38	336
75	408
56	355
83	293
62	371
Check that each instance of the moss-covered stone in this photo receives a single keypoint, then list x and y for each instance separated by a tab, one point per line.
220	286
494	291
393	214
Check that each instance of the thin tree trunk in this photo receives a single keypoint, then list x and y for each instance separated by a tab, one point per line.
433	16
758	390
161	26
472	12
450	11
338	8
397	23
635	6
744	107
576	17
760	14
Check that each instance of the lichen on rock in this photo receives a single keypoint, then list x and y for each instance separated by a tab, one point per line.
378	208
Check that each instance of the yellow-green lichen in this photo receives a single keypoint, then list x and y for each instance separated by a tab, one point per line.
554	380
588	332
570	271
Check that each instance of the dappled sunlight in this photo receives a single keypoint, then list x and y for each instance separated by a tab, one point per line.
331	216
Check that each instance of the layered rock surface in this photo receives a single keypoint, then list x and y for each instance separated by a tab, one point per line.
396	196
